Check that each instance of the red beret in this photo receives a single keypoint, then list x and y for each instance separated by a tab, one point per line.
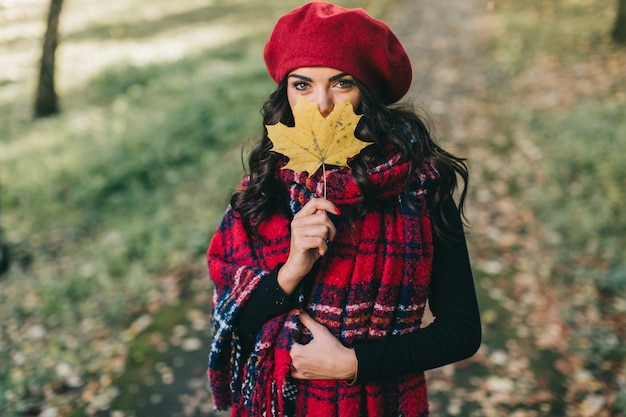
321	34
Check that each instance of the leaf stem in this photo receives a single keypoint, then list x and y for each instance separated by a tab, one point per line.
324	174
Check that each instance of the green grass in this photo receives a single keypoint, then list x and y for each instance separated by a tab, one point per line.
564	29
105	202
121	189
582	193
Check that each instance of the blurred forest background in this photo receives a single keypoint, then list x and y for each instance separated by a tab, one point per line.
108	205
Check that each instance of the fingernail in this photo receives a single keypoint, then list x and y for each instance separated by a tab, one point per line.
337	211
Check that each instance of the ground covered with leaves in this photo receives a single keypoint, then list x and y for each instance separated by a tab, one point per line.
108	208
533	95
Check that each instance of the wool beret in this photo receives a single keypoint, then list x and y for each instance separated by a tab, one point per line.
321	34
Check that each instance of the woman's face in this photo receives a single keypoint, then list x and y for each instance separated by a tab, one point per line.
325	86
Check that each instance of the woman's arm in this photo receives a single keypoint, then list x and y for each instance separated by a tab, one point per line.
268	301
456	332
311	230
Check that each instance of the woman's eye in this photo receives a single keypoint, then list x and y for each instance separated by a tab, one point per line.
300	86
345	83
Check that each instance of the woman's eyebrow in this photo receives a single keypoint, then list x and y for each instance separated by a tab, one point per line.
301	77
338	76
331	79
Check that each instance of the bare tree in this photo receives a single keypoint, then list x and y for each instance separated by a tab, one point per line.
46	101
619	30
4	248
4	254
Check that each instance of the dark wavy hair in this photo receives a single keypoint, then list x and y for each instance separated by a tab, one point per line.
390	129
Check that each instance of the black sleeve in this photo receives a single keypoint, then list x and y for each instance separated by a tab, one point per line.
266	302
456	332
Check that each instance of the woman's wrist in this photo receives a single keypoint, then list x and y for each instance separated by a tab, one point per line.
351	380
287	280
348	366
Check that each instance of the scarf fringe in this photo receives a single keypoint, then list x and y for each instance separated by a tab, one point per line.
265	387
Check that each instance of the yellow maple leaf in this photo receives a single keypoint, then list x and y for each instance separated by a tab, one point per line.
316	140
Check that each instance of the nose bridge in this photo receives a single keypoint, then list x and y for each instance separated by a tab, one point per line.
324	101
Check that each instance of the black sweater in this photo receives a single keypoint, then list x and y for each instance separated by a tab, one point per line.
454	335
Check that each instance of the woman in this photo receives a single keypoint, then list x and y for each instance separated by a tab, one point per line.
318	301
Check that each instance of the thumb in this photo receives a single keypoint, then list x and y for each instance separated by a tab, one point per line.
310	323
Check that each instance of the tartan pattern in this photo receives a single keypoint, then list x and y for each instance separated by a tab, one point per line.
373	282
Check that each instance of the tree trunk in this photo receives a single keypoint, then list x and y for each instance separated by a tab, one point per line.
46	100
619	30
4	249
4	254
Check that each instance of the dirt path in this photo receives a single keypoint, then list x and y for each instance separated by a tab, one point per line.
460	85
442	39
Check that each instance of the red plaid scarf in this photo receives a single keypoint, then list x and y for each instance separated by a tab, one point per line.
373	283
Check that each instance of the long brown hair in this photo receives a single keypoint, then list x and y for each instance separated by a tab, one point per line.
398	128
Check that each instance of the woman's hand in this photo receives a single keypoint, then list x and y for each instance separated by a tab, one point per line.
324	357
311	229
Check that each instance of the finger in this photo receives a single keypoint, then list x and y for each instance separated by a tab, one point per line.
332	230
297	375
310	323
294	352
316	204
319	224
316	243
322	204
315	230
312	220
317	235
305	244
323	219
